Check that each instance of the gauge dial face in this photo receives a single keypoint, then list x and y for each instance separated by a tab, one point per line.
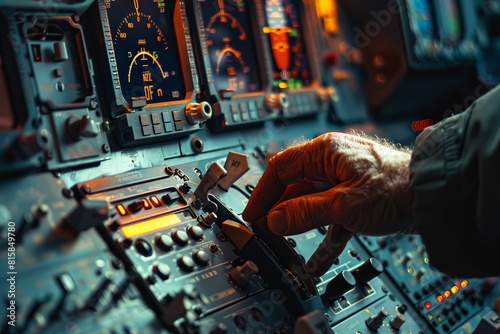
284	30
145	48
230	45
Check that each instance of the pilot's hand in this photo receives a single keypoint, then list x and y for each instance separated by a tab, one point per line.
351	183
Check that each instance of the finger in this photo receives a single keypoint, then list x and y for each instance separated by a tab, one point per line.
298	189
307	212
329	250
283	169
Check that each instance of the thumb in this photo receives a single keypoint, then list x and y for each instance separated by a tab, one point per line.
301	214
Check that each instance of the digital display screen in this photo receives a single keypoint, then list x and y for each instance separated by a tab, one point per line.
230	45
7	120
284	30
453	19
421	18
145	49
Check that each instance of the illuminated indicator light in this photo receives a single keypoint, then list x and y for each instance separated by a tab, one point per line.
156	202
410	270
150	225
454	289
440	318
464	284
440	298
121	209
427	305
430	317
147	205
283	85
447	294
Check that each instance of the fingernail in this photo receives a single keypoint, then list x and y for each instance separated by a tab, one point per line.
278	221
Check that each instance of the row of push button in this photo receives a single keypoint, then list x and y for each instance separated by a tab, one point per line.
164	122
166	242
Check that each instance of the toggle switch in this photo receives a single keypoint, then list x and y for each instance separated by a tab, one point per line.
339	285
370	269
242	275
375	321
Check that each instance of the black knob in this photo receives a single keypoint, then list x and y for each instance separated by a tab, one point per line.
136	206
201	257
186	263
368	270
77	127
171	197
185	188
397	321
375	321
339	285
143	247
164	242
195	232
162	270
180	237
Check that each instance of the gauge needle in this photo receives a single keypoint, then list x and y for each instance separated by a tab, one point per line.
136	6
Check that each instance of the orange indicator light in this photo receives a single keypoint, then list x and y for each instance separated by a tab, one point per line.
447	294
440	298
464	284
121	209
156	202
147	205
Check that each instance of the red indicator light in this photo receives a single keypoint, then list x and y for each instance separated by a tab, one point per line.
464	284
421	125
147	205
156	202
447	294
440	298
427	305
121	209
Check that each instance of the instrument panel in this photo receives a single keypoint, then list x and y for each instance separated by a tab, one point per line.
231	46
145	49
132	133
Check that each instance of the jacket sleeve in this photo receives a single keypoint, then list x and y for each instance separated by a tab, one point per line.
455	187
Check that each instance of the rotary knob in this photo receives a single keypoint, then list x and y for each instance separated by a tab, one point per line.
186	263
143	247
375	321
397	321
276	101
368	270
195	232
164	242
198	112
180	237
80	127
201	257
339	285
162	270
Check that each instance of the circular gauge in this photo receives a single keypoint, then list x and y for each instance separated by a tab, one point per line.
283	27
145	49
230	45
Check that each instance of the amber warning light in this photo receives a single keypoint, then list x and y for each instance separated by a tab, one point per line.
151	225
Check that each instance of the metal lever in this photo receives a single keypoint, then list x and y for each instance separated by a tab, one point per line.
209	181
